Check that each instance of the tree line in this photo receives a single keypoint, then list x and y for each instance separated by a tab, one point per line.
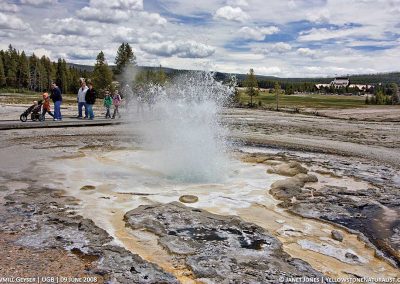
381	93
384	94
19	72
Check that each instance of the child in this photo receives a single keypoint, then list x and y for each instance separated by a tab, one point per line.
108	101
46	106
116	103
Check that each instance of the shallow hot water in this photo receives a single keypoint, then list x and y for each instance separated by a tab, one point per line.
126	179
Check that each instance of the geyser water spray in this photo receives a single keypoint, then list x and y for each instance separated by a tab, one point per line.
181	124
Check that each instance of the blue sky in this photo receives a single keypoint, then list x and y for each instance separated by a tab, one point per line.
294	38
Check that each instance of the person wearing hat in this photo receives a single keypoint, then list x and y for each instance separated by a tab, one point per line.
46	106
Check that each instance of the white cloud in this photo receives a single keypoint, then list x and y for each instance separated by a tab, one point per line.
336	70
292	4
72	26
156	36
237	3
12	23
153	19
38	3
125	34
231	14
279	47
257	33
8	7
180	48
118	4
194	33
271	70
304	51
6	34
104	15
117	11
326	34
82	54
319	16
63	40
39	52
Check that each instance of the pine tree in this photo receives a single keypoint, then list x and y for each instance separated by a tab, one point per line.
251	85
380	98
161	76
67	76
33	70
74	79
124	58
61	76
119	59
23	71
42	76
2	74
290	89
11	64
277	90
50	70
46	72
102	74
236	96
130	56
394	93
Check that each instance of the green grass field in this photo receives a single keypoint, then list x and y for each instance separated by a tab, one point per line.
305	101
267	100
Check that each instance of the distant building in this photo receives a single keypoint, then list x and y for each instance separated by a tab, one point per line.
339	82
321	86
363	88
343	82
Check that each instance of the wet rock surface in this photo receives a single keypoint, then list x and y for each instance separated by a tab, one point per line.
344	255
188	199
43	220
373	210
88	187
16	261
362	211
218	249
291	187
24	213
336	235
288	169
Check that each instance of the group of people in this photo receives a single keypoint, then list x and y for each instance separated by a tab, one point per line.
86	98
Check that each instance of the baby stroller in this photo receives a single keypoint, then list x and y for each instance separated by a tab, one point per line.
34	110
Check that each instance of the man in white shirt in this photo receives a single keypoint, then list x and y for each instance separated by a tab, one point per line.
81	99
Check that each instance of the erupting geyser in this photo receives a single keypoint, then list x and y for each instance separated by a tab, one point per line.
183	128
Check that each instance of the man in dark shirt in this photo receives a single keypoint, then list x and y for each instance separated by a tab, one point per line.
56	97
90	99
